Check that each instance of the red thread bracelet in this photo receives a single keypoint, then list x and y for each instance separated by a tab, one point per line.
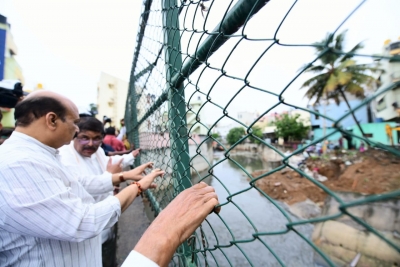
140	190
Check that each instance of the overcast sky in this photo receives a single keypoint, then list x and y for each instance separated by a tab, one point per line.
66	44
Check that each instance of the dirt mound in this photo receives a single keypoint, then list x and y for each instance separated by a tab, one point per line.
288	186
370	172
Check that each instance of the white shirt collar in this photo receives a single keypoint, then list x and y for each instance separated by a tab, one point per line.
27	138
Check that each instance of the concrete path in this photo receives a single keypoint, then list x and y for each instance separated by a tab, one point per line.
131	226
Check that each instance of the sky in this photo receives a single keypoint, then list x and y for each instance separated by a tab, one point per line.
66	44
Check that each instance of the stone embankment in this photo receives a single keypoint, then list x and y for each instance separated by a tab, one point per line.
343	238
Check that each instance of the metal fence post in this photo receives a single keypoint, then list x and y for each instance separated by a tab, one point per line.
131	100
177	109
176	98
132	129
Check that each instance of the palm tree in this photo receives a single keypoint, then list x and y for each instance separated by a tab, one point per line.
339	74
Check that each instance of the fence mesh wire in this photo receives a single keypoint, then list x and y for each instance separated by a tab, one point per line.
199	62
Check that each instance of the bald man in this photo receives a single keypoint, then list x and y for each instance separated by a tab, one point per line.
47	218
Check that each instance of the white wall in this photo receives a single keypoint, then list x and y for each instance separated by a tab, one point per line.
111	98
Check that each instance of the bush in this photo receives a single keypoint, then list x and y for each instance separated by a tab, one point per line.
290	128
234	135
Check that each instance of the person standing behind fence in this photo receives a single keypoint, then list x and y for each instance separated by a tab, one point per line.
111	140
122	131
122	135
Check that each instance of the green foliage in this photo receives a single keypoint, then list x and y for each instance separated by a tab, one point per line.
216	136
256	132
338	73
290	128
235	134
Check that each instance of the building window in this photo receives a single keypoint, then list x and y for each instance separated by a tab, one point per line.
369	135
394	48
381	105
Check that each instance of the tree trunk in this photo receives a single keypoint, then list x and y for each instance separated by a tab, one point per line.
352	114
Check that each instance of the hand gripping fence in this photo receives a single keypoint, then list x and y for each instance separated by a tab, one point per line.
196	65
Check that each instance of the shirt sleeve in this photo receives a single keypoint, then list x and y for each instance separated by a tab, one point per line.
39	200
97	184
128	159
136	259
94	184
121	133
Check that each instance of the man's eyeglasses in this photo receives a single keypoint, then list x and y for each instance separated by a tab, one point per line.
85	141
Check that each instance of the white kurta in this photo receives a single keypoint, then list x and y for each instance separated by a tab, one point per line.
121	134
136	259
89	170
95	166
47	218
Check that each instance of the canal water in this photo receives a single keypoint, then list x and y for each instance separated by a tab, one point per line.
246	212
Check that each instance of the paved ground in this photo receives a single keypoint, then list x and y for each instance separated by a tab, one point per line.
131	226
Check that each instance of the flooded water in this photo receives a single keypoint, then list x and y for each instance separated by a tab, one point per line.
232	234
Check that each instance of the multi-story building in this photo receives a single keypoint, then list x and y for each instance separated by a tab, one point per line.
388	104
335	111
9	67
111	98
191	117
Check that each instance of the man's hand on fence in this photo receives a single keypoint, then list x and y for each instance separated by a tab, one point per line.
128	194
177	222
136	152
137	173
147	181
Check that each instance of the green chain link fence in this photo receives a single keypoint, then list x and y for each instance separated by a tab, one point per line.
183	59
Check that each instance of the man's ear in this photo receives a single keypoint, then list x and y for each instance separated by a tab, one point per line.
51	120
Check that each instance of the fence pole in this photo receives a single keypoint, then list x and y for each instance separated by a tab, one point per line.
177	109
132	129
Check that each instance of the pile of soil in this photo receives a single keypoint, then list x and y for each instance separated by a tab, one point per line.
370	172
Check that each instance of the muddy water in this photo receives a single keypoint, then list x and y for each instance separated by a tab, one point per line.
231	234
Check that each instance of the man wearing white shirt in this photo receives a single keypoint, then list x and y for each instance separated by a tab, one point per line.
47	215
84	157
47	218
122	131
